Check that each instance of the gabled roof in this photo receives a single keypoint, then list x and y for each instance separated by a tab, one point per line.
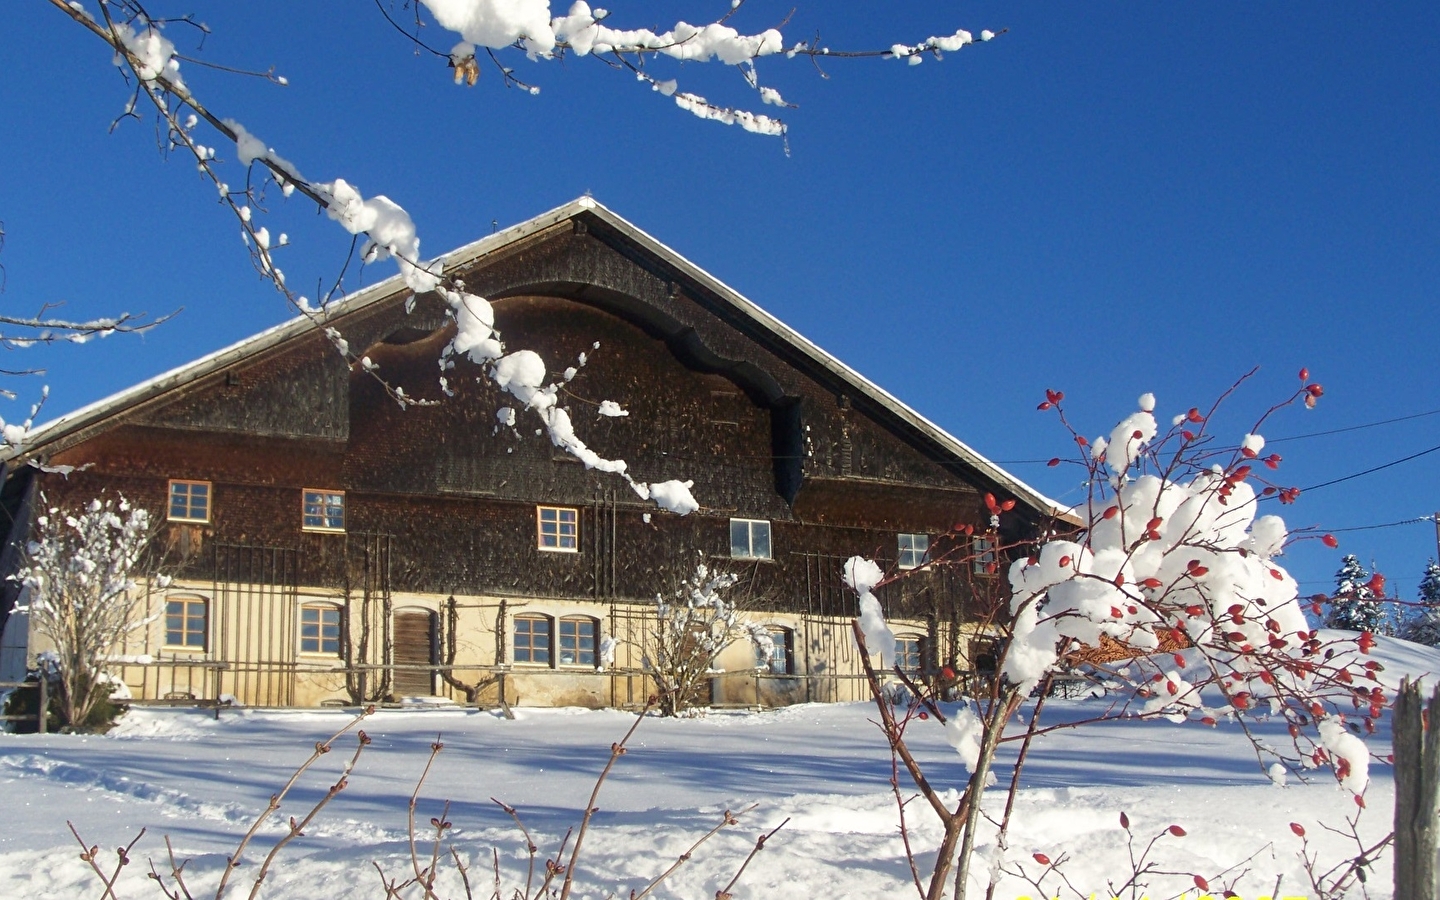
465	256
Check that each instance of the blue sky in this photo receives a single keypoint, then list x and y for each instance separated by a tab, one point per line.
1108	199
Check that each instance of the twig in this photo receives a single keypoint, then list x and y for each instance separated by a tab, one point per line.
88	854
952	821
553	867
1030	728
724	893
465	873
298	828
900	804
727	819
176	871
435	748
617	750
321	748
529	846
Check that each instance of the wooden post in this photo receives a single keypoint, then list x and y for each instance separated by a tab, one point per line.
1417	793
44	709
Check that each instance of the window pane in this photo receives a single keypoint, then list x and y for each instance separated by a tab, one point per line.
559	528
913	549
532	640
760	540
778	659
739	537
185	623
320	629
983	552
907	654
189	500
577	642
323	509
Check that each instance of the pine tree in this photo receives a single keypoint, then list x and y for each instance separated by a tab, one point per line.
1353	605
1424	626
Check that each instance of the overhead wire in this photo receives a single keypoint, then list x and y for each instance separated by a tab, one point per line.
1413	521
1278	440
1371	470
1298	437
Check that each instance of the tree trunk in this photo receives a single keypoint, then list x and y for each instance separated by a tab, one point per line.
1417	793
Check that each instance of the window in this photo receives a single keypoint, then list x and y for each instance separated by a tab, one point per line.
186	621
913	550
750	539
532	640
907	653
320	629
323	511
558	528
778	659
985	655
577	642
189	501
982	552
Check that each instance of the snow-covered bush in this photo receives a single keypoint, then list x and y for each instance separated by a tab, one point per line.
78	585
1169	592
693	626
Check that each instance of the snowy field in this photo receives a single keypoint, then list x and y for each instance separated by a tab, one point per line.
201	781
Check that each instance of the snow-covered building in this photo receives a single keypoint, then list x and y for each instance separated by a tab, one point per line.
330	546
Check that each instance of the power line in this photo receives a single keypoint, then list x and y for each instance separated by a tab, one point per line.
1298	437
1278	440
1371	471
1413	521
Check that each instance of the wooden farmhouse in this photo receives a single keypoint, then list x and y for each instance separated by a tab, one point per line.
329	547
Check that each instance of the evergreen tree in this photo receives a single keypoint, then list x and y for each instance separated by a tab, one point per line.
1354	606
1424	626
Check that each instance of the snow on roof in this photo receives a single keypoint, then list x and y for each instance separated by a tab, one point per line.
86	416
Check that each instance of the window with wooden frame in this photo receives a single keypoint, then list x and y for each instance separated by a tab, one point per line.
557	528
187	621
579	641
322	510
320	629
750	539
913	551
909	650
189	501
779	657
982	555
532	640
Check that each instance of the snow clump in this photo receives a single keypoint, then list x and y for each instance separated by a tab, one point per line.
388	226
862	575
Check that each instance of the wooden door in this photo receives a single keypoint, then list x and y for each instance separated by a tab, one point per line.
414	646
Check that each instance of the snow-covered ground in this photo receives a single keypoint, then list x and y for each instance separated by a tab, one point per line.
201	781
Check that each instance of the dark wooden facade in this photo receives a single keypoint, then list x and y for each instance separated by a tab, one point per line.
441	499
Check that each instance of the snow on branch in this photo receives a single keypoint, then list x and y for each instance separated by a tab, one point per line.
529	26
